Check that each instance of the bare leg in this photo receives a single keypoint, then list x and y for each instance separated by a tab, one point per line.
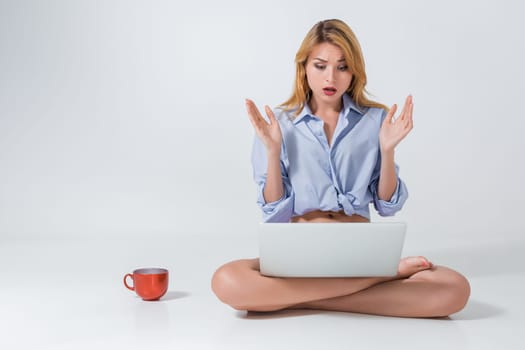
240	285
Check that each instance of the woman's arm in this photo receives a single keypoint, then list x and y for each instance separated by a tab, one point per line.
387	176
273	189
391	133
270	135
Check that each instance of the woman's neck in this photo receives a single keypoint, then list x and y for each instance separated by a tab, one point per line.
325	110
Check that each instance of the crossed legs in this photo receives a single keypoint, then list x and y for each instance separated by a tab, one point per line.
420	289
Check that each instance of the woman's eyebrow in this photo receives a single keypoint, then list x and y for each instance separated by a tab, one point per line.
322	60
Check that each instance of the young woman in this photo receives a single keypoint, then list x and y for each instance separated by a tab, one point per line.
324	156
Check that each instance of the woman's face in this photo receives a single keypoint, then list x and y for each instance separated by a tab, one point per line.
327	74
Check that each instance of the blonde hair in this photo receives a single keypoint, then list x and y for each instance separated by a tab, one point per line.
338	33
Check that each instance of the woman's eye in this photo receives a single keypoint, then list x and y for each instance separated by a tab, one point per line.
319	66
342	68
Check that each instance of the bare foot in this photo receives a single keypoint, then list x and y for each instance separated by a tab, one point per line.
412	264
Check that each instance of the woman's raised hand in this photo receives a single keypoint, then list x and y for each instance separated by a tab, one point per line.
269	133
393	129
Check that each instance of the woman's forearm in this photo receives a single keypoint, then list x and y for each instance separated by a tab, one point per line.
387	176
273	189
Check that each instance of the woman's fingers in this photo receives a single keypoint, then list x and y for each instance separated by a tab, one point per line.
270	114
268	132
390	114
254	115
250	116
252	109
407	113
405	117
395	129
406	107
410	122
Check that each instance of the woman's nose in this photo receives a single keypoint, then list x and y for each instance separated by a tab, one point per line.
330	75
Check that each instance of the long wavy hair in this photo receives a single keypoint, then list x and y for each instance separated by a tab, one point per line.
338	33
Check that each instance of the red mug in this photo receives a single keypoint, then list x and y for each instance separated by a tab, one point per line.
148	283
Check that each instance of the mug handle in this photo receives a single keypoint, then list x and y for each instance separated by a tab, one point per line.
126	284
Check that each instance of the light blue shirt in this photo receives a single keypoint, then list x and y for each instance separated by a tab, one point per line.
318	176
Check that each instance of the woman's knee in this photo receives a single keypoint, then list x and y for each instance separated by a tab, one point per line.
229	282
460	290
455	294
223	282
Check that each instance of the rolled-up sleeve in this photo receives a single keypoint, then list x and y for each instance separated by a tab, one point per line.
396	202
280	210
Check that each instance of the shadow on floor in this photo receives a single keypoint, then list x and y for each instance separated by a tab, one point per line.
172	295
252	315
476	310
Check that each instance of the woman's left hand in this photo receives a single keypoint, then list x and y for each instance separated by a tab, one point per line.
393	129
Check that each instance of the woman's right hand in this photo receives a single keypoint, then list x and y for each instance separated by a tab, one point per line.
269	133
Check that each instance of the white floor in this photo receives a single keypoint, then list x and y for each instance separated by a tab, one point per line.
68	294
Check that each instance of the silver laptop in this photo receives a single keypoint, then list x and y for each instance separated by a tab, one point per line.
330	249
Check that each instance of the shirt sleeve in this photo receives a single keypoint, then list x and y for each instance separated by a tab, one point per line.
282	209
398	199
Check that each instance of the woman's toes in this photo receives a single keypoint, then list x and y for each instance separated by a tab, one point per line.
410	265
424	262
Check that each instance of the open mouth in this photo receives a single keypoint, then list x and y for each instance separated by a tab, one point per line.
329	90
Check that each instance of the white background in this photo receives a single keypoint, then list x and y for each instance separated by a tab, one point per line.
126	118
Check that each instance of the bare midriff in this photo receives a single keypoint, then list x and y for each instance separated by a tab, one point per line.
328	216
